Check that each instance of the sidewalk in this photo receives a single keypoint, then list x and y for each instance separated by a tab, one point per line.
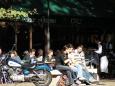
106	82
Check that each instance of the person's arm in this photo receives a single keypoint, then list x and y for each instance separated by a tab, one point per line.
39	59
81	58
33	60
99	51
65	60
18	59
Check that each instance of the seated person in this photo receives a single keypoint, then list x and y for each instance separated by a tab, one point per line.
30	57
61	62
25	56
40	55
14	55
78	65
49	59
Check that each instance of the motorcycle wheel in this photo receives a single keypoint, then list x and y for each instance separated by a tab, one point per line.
5	79
43	78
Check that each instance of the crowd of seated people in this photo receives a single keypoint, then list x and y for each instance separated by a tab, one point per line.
69	61
72	62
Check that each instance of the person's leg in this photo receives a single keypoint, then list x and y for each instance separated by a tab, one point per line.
86	74
79	71
68	70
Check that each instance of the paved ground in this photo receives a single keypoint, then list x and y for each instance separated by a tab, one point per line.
101	83
107	82
18	84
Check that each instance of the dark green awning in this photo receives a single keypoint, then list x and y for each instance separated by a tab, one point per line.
93	8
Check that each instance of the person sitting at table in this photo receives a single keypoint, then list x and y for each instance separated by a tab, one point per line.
32	57
26	56
50	59
39	56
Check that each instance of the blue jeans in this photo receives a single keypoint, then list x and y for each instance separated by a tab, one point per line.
82	72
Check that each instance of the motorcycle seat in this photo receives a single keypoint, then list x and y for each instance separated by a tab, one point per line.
28	66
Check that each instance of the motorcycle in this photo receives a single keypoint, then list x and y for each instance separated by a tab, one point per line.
13	71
